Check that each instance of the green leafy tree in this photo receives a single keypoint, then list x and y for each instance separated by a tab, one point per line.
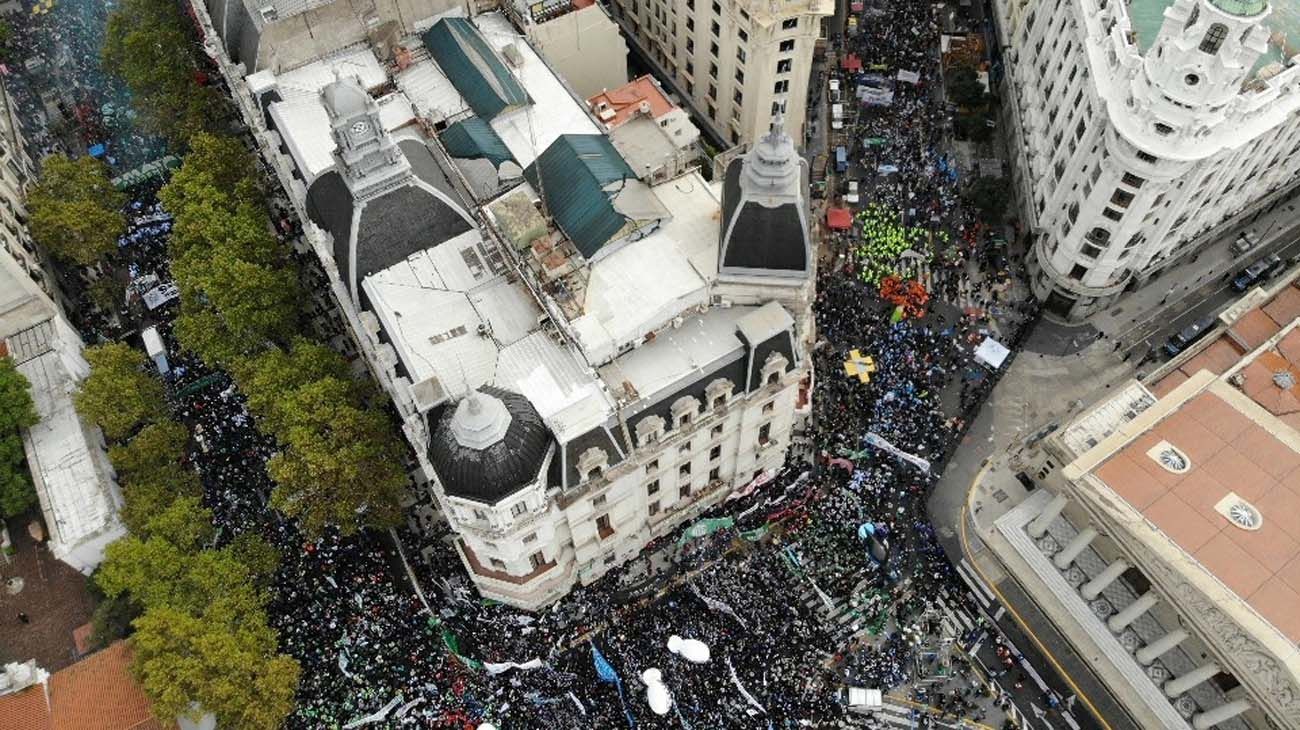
112	619
154	492
990	196
151	45
257	555
962	86
340	464
201	330
119	395
154	448
259	304
17	412
75	211
267	378
221	660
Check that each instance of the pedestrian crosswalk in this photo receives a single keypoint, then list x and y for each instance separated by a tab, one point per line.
934	282
978	587
845	622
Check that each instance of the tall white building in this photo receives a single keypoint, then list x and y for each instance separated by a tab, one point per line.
584	356
69	469
1129	159
734	63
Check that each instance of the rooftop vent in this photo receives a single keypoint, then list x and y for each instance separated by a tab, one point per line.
1239	512
1170	457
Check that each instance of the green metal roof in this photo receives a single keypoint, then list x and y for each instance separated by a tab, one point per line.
575	172
1244	8
473	138
473	67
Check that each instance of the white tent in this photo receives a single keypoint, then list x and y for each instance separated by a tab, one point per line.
992	353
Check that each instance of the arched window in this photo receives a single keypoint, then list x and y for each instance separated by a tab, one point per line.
1191	17
1099	236
1214	38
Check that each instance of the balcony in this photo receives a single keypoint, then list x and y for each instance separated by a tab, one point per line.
478	569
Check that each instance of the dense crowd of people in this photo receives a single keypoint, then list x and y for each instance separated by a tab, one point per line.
373	650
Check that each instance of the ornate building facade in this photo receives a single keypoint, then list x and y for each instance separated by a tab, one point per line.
1130	158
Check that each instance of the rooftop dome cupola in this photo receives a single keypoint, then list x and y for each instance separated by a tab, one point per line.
765	226
364	153
490	446
480	421
773	163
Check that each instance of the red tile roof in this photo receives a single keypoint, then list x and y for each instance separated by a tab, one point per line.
626	100
98	693
25	710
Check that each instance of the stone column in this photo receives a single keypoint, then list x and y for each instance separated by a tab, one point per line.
1038	526
1067	554
1179	685
1160	647
1131	612
1222	713
1094	587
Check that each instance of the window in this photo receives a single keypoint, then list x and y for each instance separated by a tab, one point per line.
684	490
716	432
1132	180
684	470
713	73
496	563
717	9
1214	38
1191	79
1193	16
1146	157
713	48
715	453
714	474
654	508
744	37
652	466
740	55
784	65
719	402
737	97
690	45
598	501
1078	272
769	406
1164	130
603	528
782	87
790	24
518	509
532	537
690	25
715	28
684	448
740	78
690	68
652	487
1090	250
764	434
1122	198
537	560
1112	214
773	378
1099	236
478	515
786	46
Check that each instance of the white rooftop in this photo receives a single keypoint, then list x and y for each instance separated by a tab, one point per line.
310	78
434	306
694	348
79	502
305	128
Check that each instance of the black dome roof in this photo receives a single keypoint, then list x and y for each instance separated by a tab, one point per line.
489	446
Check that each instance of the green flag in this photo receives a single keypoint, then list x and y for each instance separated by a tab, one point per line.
704	528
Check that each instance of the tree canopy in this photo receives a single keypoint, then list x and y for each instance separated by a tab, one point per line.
156	447
990	196
75	212
16	413
962	86
150	44
119	395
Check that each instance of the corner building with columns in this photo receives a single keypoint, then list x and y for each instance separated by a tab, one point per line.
1164	542
1134	147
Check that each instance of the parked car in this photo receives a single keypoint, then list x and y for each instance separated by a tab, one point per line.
1244	243
1188	335
1257	273
852	195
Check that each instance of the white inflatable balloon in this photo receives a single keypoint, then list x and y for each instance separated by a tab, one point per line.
692	650
656	693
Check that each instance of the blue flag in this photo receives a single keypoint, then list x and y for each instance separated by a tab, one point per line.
603	668
606	672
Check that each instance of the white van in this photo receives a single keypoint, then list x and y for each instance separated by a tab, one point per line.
837	116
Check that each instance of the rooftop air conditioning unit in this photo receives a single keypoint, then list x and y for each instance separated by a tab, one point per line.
645	107
513	56
607	114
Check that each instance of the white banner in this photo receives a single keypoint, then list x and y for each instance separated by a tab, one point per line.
910	77
880	442
743	692
871	96
507	666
